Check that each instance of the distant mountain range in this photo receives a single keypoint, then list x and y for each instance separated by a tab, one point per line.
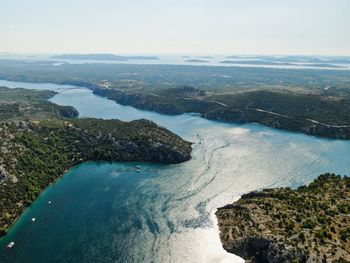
110	57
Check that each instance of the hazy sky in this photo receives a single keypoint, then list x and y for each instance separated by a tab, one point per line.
176	26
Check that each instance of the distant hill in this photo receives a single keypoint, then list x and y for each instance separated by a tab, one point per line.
256	62
323	65
297	59
110	57
273	63
19	104
197	60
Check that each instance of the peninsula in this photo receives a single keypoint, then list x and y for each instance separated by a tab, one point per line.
309	224
38	145
315	114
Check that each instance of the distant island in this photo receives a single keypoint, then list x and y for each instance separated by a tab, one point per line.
40	140
199	57
197	60
106	57
256	62
340	60
276	63
321	65
297	59
205	57
309	224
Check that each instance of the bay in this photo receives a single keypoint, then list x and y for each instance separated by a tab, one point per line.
107	212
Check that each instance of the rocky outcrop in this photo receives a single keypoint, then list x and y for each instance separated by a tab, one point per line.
3	174
310	224
68	112
259	249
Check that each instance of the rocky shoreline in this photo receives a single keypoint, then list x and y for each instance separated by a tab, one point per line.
192	102
309	224
306	126
35	153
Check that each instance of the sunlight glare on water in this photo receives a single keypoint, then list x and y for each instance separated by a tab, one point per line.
165	213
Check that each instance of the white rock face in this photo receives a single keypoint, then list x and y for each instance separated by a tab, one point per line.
3	174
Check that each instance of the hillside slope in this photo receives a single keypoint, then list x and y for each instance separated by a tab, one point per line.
33	154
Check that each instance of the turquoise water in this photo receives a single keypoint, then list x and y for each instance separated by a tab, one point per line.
107	212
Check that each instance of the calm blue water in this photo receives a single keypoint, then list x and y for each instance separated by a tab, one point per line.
106	212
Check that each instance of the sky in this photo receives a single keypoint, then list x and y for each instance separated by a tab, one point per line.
259	27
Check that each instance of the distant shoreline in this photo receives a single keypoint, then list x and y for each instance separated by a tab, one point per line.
103	57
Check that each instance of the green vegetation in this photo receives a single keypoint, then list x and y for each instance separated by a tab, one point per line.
316	114
154	77
168	101
314	102
311	222
34	154
36	147
325	109
31	104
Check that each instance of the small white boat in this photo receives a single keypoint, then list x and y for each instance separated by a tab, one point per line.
33	220
11	244
49	202
138	168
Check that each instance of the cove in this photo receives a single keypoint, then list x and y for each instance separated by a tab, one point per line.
106	212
